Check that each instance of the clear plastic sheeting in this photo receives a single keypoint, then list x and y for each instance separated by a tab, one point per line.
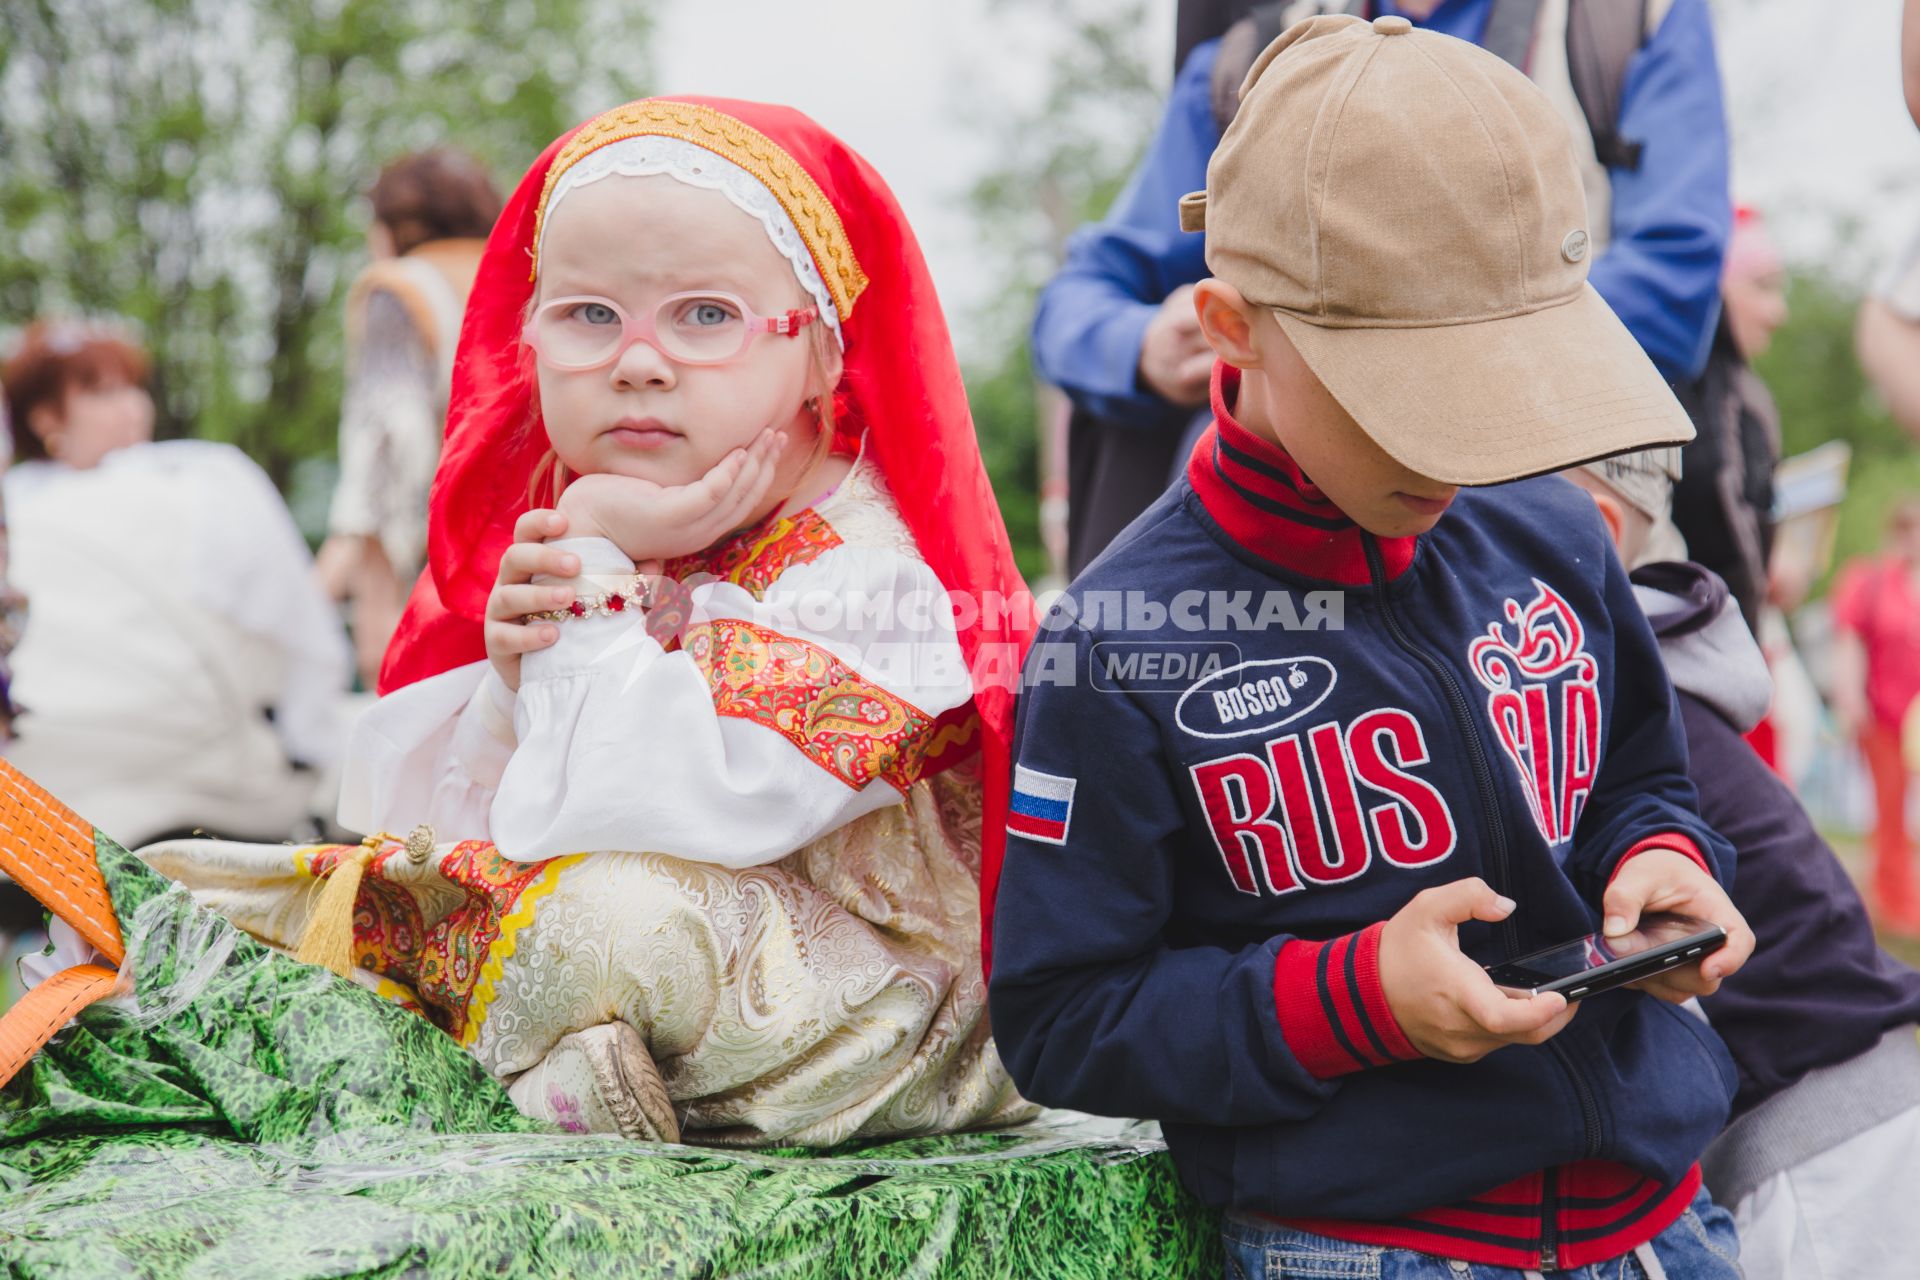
178	1203
237	1114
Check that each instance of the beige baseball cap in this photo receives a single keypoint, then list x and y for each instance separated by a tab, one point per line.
1408	206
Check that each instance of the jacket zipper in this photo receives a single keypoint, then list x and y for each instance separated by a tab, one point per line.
1549	1220
1509	932
1589	1109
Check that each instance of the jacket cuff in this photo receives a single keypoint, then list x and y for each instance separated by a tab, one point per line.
1673	841
1333	1011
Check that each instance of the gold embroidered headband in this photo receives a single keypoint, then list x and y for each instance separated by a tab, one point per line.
811	214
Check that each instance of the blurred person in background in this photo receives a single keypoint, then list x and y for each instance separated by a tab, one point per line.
1887	337
432	211
1638	83
181	670
1876	679
1723	502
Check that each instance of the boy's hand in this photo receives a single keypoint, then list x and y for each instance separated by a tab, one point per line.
514	596
1445	1003
1663	880
655	522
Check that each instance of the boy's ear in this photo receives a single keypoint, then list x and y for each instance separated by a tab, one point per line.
1226	320
1611	512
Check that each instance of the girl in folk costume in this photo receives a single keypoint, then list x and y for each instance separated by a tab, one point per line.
717	843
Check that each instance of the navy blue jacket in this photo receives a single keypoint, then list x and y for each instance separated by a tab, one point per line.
1200	842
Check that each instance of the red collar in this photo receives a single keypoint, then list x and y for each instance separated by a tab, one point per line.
1261	499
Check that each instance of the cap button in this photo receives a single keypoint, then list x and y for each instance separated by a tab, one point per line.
1391	24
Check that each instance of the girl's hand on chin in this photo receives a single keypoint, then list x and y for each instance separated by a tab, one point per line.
652	522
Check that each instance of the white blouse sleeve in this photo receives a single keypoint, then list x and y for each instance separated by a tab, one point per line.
776	721
432	752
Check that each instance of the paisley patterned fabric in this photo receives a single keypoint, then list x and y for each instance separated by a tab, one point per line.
851	727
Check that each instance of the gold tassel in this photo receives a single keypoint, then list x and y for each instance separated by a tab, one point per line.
328	940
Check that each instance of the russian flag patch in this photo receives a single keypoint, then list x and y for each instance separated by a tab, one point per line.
1041	807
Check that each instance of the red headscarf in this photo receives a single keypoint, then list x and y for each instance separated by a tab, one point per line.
901	391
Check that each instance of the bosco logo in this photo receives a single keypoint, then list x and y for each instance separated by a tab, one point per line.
1254	697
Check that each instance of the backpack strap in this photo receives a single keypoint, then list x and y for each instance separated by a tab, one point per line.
1197	21
1248	38
1239	48
1602	37
49	851
1509	31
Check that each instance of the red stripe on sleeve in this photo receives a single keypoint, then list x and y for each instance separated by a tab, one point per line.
1374	996
1322	1024
1672	840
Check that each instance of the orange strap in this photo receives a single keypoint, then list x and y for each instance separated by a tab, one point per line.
26	1028
49	851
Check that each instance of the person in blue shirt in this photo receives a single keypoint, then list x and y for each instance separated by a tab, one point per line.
1115	327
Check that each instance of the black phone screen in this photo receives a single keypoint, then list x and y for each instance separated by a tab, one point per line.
1583	955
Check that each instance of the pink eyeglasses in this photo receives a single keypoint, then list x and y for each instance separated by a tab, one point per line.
702	327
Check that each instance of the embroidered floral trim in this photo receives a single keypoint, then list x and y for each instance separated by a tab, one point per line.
452	966
846	724
812	213
753	558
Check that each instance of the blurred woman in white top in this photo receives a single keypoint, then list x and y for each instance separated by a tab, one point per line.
180	669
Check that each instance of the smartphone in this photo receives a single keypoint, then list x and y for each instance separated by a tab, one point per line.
1587	966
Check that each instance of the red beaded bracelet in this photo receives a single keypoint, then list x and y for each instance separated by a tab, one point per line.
638	595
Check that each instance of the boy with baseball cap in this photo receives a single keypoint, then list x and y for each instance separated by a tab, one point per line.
1256	905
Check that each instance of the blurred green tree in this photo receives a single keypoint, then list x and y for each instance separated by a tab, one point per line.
1060	160
196	166
1822	395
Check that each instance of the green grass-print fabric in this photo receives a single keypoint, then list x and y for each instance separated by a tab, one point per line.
243	1115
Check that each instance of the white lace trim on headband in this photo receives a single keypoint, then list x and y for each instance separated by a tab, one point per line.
696	166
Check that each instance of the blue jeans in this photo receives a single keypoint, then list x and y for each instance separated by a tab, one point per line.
1700	1245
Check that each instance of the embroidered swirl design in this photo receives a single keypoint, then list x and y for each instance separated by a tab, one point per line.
1547	639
